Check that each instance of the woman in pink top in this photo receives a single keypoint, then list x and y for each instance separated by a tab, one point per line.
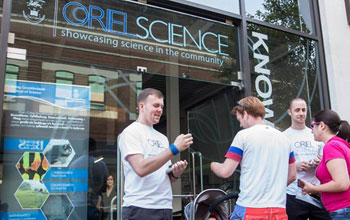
333	170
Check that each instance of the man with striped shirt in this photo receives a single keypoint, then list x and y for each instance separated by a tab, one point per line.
267	164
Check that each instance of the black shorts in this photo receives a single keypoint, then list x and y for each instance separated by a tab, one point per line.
300	210
137	213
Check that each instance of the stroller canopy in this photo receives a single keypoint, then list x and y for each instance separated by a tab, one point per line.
211	200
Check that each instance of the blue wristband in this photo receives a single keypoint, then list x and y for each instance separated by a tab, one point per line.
173	149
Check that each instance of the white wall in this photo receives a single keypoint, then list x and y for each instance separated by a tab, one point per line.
336	36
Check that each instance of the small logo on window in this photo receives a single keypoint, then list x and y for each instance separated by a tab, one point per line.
33	13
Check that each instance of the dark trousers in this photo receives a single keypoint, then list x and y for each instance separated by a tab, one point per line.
300	210
137	213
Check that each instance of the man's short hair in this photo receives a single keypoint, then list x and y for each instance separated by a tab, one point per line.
296	99
252	105
147	92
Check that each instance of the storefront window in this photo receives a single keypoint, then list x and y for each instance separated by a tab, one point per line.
284	67
214	127
64	77
76	90
97	85
12	72
293	14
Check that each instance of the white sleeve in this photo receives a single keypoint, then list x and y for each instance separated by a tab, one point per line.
129	143
239	141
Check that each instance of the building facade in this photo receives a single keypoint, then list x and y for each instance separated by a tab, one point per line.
335	19
72	70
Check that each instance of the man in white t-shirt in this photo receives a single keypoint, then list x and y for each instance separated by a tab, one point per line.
267	164
307	154
146	155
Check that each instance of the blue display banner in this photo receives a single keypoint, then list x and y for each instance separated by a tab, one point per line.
40	145
25	144
58	95
57	187
38	215
66	174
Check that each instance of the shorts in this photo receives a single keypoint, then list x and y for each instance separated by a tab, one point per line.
247	213
137	213
300	210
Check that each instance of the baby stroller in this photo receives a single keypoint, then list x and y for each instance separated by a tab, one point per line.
215	201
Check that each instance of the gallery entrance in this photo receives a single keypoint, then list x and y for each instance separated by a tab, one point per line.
203	109
72	89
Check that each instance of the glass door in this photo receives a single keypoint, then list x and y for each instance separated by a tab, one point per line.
203	109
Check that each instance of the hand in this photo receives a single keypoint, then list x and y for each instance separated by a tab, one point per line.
307	187
183	141
317	161
302	166
179	167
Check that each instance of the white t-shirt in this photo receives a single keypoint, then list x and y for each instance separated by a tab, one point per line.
154	190
305	149
264	154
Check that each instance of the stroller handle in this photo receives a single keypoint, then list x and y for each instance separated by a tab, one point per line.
221	199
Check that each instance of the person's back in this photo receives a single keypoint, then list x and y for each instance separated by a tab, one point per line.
267	164
264	169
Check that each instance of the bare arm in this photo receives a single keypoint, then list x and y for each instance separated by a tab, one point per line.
143	167
225	169
292	173
340	178
172	179
98	205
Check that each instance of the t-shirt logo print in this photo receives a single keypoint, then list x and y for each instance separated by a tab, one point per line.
155	144
305	146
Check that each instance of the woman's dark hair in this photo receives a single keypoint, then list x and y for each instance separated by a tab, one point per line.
339	127
111	176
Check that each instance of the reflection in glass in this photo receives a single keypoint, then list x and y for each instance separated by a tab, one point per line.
295	14
213	128
289	66
205	112
192	64
231	6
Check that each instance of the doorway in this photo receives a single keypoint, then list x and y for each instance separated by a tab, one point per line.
203	109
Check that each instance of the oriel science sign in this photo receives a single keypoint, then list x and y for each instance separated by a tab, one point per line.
134	30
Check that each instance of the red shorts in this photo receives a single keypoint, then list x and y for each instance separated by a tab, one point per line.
247	213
